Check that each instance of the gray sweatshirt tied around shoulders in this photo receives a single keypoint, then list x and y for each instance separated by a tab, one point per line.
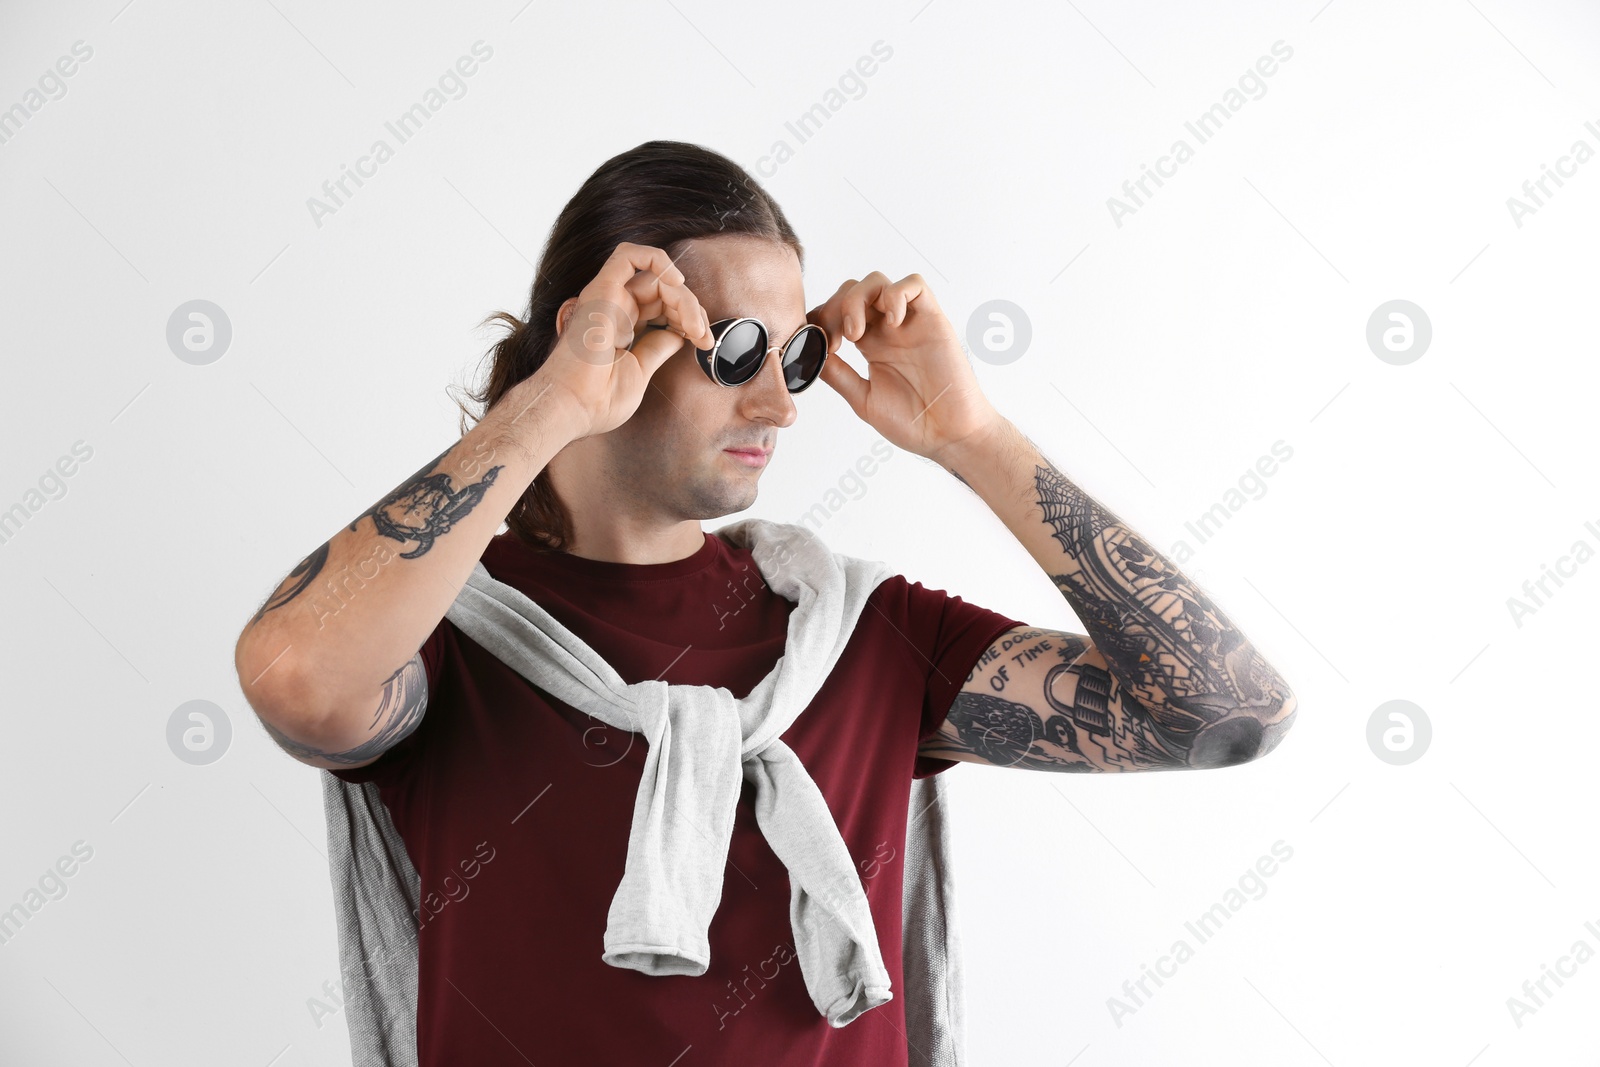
702	743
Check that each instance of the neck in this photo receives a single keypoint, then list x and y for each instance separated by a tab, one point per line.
623	542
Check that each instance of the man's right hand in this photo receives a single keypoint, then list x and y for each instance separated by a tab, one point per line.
602	359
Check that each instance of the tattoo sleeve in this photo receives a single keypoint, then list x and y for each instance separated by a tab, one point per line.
1208	697
1044	700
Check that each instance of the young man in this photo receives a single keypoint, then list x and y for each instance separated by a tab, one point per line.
515	809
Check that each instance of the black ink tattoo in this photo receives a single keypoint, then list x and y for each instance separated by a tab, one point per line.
1207	691
424	507
1006	733
302	576
1162	680
1065	713
399	712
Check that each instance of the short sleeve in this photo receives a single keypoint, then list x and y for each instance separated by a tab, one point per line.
957	633
396	763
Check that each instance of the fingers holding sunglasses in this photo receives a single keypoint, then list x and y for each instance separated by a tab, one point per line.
860	301
897	300
830	315
844	380
629	259
672	305
859	305
645	277
604	354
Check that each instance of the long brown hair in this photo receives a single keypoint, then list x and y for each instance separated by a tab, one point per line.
661	193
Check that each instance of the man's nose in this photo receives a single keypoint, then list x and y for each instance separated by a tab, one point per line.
767	395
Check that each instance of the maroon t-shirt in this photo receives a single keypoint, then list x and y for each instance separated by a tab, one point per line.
515	809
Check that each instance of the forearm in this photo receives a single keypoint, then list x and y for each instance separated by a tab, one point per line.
1166	641
362	603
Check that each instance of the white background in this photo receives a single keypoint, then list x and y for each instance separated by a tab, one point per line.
1168	354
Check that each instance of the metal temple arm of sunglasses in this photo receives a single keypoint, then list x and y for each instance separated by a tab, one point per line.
658	326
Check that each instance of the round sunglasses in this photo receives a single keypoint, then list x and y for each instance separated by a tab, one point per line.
740	350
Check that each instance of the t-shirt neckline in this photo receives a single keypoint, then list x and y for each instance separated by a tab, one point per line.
608	570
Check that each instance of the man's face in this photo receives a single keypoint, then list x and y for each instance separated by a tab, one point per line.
672	450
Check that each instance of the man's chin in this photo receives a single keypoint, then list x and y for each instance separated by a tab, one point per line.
729	494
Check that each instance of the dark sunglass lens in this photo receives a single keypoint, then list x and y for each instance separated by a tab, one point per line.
803	359
739	356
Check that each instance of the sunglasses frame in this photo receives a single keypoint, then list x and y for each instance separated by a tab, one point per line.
722	327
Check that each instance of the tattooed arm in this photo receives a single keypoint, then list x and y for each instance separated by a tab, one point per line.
1162	680
329	661
356	742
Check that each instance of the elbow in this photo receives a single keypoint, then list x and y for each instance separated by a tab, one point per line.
1272	732
261	672
251	660
1242	738
274	691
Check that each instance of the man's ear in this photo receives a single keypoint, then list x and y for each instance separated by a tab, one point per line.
563	313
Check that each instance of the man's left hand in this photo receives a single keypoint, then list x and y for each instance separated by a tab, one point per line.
921	393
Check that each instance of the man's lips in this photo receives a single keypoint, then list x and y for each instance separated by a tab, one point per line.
752	457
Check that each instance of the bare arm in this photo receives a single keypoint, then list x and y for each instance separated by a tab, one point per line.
329	660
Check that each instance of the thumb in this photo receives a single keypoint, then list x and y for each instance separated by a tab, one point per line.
654	347
844	380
